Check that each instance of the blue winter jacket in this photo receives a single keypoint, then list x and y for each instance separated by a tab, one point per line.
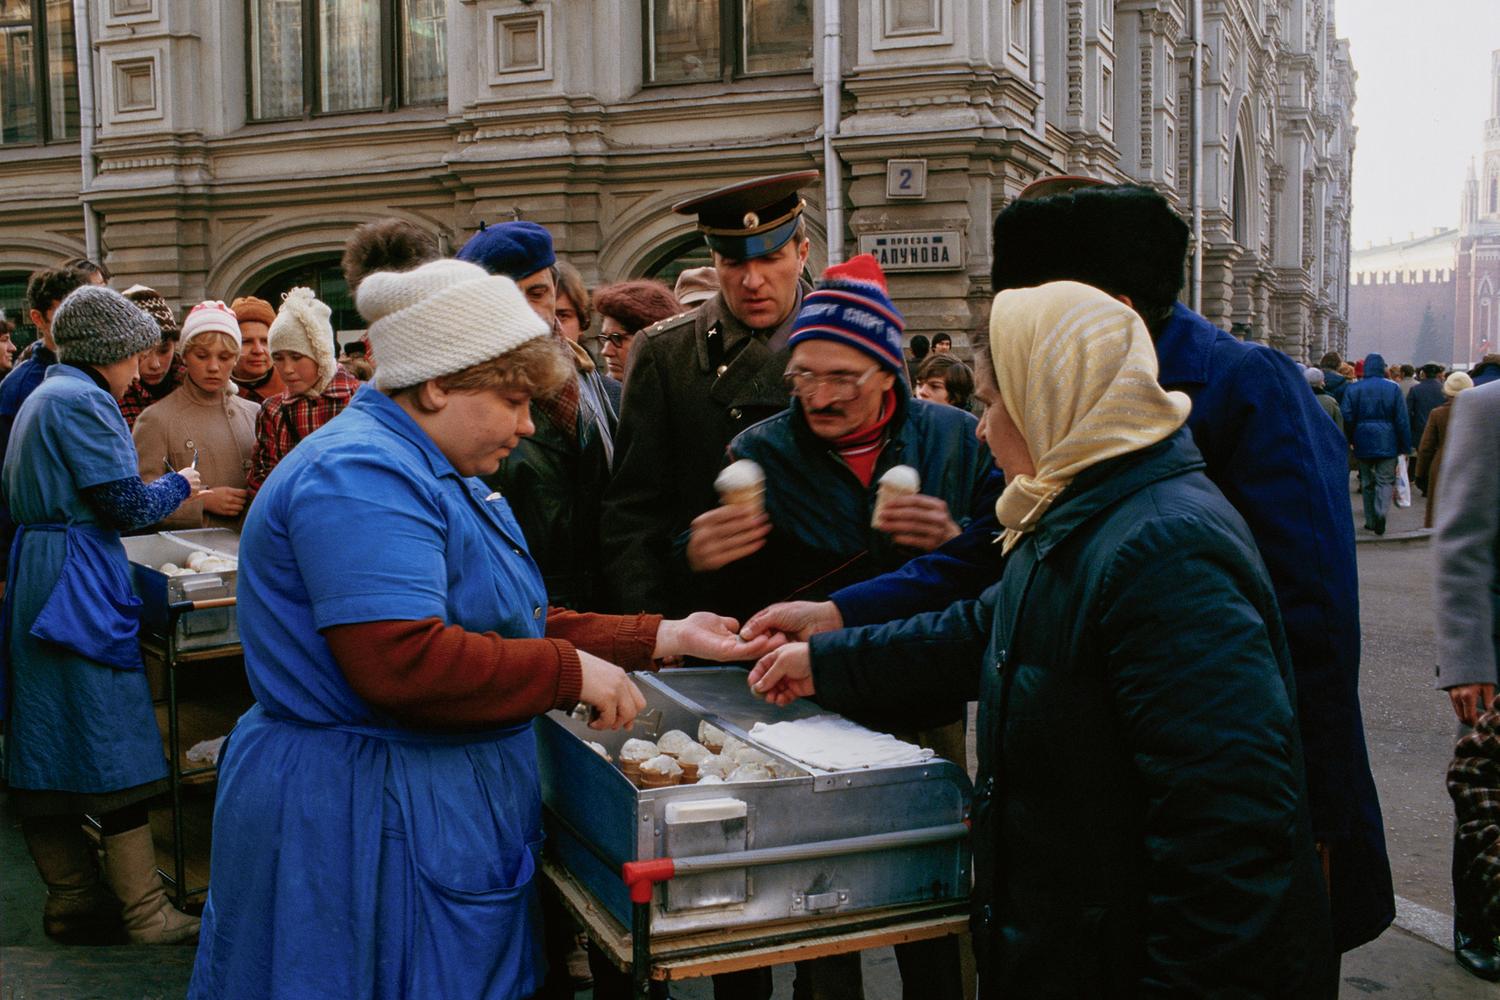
1273	452
1375	415
1334	384
820	512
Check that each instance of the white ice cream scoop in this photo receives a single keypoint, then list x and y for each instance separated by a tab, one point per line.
742	482
898	481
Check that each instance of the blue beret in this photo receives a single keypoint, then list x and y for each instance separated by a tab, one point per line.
514	249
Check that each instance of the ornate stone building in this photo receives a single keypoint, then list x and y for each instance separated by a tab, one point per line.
238	141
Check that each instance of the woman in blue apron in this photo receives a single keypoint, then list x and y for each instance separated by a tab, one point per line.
378	815
82	737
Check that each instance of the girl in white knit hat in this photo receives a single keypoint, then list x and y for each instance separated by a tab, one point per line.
203	423
317	386
386	781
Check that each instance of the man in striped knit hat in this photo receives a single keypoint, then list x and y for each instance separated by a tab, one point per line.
852	420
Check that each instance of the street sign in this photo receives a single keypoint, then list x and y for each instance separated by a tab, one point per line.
928	250
906	178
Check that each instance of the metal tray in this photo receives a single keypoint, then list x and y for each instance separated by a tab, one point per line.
813	844
195	630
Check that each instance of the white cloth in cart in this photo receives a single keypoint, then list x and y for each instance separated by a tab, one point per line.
833	743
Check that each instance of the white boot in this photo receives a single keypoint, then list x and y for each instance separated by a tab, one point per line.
150	918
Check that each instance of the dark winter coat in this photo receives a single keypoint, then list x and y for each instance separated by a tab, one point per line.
555	482
1140	824
1425	396
1334	383
1488	369
696	381
1281	462
822	537
1375	416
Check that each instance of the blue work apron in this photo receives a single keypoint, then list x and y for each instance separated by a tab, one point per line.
77	723
414	877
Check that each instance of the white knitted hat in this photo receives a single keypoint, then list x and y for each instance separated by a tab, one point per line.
441	318
302	326
210	316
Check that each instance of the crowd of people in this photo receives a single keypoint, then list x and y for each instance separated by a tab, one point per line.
1131	544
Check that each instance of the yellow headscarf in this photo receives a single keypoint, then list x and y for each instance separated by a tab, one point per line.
1076	371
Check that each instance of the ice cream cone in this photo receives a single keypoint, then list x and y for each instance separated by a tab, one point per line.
898	481
742	482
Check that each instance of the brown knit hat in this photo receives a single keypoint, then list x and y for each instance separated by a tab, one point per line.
636	305
249	309
153	305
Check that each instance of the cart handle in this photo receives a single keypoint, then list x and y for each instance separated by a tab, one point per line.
181	607
642	876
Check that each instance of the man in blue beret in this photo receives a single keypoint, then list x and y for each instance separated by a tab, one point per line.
554	479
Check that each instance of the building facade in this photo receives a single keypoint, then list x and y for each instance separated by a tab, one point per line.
237	142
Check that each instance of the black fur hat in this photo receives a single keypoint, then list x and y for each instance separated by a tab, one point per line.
1123	239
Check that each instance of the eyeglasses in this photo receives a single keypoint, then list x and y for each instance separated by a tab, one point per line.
618	340
841	386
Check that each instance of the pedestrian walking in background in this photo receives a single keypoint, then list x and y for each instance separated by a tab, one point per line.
1466	605
1430	450
81	735
1334	380
942	343
317	386
204	424
1487	371
625	309
1377	425
161	367
1426	396
255	374
1407	380
1164	846
942	378
7	345
1315	380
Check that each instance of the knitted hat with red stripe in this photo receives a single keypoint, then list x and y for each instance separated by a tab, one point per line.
851	306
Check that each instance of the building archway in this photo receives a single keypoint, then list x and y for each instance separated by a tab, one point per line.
323	274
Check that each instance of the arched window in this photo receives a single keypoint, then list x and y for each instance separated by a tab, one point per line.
1239	208
323	275
678	256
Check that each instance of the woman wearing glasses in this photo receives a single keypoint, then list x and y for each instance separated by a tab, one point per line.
626	309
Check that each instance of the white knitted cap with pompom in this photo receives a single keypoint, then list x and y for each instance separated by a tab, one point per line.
302	325
441	318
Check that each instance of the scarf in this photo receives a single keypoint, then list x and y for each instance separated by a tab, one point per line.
1076	371
861	449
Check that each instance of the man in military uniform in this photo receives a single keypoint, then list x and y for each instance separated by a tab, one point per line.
699	379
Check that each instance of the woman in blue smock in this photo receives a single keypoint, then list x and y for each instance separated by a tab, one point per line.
378	815
82	738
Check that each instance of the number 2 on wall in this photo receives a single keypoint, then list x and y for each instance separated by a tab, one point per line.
905	183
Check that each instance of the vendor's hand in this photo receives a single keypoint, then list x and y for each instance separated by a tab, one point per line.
1470	701
918	521
801	620
725	534
784	675
610	691
194	481
225	501
708	636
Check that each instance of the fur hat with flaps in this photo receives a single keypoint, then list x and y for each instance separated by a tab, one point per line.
302	326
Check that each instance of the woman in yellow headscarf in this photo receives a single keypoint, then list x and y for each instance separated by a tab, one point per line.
1140	823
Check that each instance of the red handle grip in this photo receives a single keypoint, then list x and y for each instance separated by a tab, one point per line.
641	876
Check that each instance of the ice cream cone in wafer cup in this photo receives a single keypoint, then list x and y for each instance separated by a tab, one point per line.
898	481
742	482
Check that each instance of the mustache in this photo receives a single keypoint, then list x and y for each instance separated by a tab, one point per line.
827	411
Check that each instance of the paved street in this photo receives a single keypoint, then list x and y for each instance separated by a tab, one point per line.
1409	727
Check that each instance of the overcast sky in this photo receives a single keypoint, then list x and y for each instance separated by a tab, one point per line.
1421	102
